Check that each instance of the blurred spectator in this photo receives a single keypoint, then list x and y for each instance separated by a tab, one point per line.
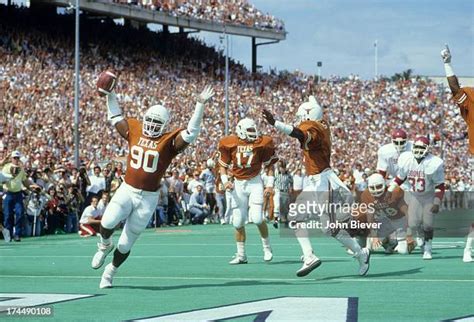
75	200
162	207
98	184
283	190
89	223
56	211
198	208
103	202
208	178
35	203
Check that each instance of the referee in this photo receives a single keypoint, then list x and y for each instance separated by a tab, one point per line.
283	189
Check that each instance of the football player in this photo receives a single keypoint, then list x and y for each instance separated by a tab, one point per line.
314	135
424	173
245	154
464	97
388	154
151	150
390	213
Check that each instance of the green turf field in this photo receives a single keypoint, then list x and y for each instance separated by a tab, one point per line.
185	269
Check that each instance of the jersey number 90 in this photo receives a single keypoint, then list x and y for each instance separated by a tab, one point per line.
147	160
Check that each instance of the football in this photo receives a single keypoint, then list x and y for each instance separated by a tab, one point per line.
106	83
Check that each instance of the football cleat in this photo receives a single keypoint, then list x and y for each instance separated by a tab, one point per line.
310	264
267	254
102	252
364	261
467	258
107	276
427	251
236	260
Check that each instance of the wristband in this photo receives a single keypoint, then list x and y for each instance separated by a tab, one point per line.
448	69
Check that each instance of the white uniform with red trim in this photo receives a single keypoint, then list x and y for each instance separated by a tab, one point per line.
422	178
387	160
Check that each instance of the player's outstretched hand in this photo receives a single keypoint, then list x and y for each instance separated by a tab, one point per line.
206	94
268	116
435	209
446	54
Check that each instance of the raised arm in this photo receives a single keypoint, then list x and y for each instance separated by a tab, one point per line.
194	126
452	79
282	127
114	115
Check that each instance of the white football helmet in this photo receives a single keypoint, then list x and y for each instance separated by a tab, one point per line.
247	130
309	111
399	140
421	147
376	183
155	120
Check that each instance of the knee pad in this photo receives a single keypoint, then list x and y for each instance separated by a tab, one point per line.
126	240
238	221
256	213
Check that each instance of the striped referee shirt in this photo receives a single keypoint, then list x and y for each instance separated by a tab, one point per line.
283	182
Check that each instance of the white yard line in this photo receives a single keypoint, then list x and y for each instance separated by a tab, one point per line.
209	278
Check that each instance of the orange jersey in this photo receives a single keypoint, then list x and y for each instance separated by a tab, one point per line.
148	158
465	100
245	157
316	146
394	208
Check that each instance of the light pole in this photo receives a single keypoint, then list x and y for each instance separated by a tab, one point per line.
76	89
376	60
226	84
319	64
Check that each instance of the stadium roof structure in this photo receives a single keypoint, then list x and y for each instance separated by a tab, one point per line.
135	13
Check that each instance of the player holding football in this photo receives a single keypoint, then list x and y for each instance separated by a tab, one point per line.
151	150
314	135
425	175
464	97
389	212
245	154
388	154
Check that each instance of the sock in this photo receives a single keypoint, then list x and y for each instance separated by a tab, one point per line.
266	242
241	249
361	240
119	258
306	246
469	242
344	238
105	241
428	235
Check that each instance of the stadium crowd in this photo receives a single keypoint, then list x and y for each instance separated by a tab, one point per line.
236	12
36	97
